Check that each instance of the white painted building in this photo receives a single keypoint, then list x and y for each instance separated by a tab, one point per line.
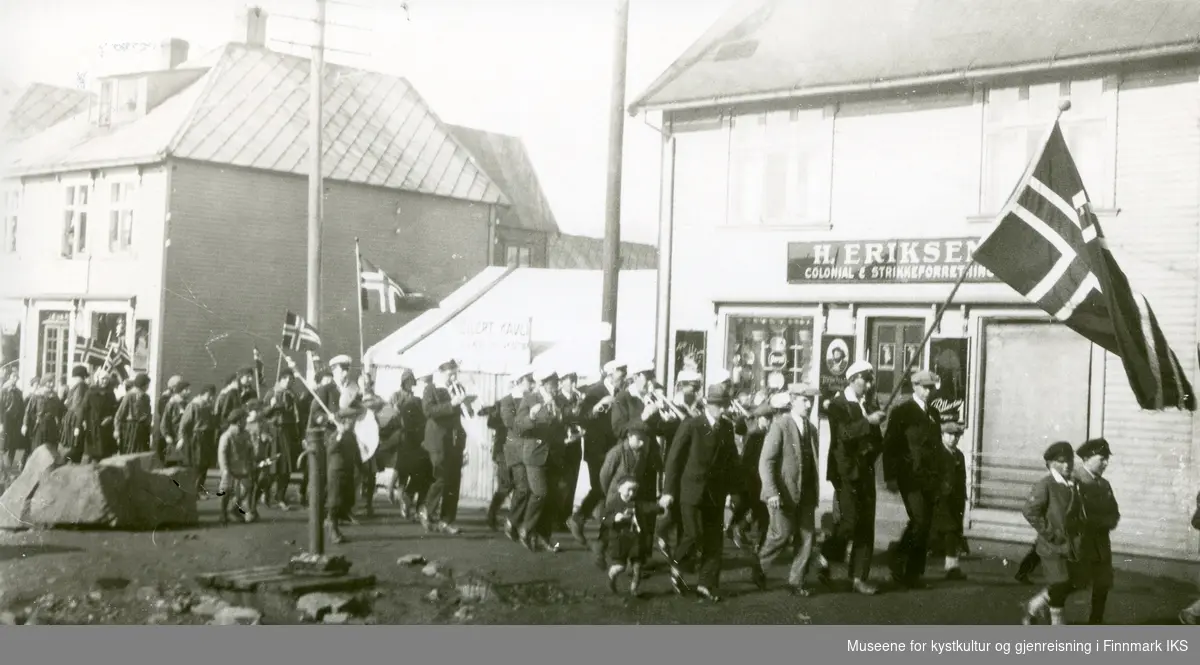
794	158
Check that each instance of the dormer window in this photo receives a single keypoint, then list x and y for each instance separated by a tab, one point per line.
119	100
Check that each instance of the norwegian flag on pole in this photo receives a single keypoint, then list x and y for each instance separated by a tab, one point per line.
392	296
118	360
88	351
1047	244
299	333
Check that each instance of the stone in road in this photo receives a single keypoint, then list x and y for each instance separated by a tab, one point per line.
560	588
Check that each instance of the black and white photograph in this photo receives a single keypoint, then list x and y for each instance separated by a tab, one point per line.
596	312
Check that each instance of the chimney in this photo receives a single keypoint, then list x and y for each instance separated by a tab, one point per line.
252	27
174	52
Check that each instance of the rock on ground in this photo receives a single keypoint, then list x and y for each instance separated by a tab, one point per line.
436	569
15	502
410	560
208	606
237	616
315	606
142	461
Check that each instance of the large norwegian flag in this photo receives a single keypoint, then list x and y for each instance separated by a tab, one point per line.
299	333
1047	244
392	296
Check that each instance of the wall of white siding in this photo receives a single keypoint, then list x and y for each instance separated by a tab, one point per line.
99	280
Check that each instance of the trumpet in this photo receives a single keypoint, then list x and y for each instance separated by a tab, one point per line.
738	409
456	389
666	407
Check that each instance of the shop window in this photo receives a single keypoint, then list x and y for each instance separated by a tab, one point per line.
108	327
894	345
767	353
1023	409
780	166
53	340
1016	123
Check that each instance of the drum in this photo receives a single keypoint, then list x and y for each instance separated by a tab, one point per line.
366	431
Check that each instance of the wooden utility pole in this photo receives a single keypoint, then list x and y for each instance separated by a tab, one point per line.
316	448
612	212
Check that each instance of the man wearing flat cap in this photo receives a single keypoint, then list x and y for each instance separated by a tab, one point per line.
1101	517
506	454
910	468
856	443
1054	509
596	412
789	477
541	425
749	518
445	443
701	471
950	501
321	430
160	407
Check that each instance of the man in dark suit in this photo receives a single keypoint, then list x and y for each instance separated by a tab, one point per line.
541	425
910	467
787	469
322	431
445	444
856	442
701	471
596	410
502	421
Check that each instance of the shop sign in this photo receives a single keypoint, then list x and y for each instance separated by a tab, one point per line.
924	260
491	346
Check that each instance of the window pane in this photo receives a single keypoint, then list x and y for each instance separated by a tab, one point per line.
10	235
747	190
1086	142
115	193
801	190
1005	166
769	353
81	233
81	196
127	228
775	187
70	192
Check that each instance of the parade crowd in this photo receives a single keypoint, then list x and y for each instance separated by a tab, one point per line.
673	476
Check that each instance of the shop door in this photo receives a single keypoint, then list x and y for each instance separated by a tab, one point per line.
1036	378
891	346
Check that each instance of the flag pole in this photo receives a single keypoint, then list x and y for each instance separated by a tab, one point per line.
358	292
1063	107
257	375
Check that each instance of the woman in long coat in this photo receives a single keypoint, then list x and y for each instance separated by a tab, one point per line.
134	418
198	435
43	416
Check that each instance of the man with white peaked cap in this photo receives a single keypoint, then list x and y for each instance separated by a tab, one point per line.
856	442
445	445
507	454
596	412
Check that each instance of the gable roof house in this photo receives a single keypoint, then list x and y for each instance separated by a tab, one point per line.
175	207
841	159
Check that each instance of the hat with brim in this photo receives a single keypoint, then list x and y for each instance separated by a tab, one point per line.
803	390
174	381
613	366
448	366
688	376
569	374
764	410
860	367
141	381
1093	447
780	401
717	395
952	428
925	378
406	376
544	374
637	428
79	372
236	416
1059	450
340	360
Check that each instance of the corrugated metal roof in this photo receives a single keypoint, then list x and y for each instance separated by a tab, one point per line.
780	46
37	107
251	110
563	305
505	159
574	252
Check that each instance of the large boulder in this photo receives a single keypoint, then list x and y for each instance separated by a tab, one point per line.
83	495
126	492
17	498
165	497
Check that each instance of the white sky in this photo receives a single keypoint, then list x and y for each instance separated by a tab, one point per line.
539	69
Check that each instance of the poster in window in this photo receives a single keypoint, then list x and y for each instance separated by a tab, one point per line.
689	351
141	346
949	361
836	354
766	353
911	353
887	355
107	327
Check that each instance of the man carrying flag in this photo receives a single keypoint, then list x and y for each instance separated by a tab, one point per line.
1047	244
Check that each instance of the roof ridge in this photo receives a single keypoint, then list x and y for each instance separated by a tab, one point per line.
448	129
199	102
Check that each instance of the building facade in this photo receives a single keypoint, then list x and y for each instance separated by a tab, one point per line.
815	220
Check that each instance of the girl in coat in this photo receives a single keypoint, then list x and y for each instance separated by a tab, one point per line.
133	417
43	417
1054	509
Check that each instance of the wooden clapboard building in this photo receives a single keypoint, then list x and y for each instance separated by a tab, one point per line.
841	184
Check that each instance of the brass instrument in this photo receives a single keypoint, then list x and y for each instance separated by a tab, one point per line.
738	409
456	389
574	432
666	407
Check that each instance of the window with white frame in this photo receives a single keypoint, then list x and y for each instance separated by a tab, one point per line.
12	214
75	219
120	216
1016	122
780	165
